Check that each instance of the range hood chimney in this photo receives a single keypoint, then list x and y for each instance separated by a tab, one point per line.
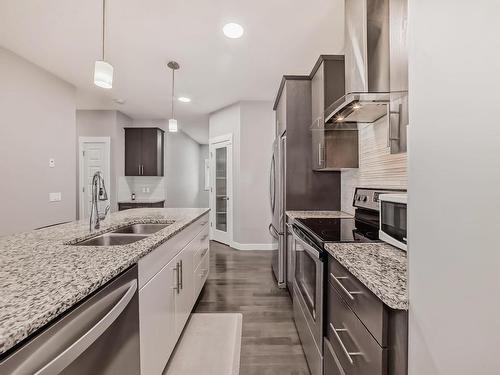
376	68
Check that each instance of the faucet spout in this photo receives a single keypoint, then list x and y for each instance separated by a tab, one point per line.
99	193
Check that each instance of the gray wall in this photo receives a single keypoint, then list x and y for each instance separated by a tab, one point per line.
454	175
252	125
203	195
37	122
182	170
256	138
96	123
182	165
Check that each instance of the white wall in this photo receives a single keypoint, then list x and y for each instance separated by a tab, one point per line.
252	125
37	122
97	123
454	178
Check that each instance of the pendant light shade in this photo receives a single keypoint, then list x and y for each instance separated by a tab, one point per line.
103	71
172	125
103	74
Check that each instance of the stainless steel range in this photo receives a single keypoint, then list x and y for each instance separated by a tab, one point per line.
310	236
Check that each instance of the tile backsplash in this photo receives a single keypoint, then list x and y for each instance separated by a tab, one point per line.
377	167
144	188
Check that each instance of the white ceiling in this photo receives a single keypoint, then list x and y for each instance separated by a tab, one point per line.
281	37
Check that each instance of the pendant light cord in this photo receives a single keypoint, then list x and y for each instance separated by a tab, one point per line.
103	26
173	87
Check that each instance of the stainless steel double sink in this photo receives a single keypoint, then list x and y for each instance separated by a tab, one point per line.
123	236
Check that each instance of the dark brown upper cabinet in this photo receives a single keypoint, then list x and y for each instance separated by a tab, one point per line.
334	147
144	149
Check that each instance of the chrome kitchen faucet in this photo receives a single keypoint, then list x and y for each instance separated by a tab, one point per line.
98	194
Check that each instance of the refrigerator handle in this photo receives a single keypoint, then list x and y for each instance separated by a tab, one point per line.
67	356
272	187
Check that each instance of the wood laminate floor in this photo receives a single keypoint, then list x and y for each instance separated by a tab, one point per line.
242	281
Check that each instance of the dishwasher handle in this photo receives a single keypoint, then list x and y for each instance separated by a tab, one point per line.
72	352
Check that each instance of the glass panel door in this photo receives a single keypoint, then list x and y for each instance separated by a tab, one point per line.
221	196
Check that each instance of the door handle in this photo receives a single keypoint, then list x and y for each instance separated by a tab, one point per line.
142	169
139	169
348	354
65	358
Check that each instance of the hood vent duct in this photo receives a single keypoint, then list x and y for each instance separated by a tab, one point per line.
376	68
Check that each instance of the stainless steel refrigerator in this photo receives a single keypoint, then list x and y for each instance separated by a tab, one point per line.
294	185
277	182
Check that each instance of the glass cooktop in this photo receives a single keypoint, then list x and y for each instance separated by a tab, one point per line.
323	230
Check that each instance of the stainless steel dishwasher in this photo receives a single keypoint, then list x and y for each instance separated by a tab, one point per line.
99	336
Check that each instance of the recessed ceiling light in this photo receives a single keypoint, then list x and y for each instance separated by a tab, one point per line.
233	30
184	99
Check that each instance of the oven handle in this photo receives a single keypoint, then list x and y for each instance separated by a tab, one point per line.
308	248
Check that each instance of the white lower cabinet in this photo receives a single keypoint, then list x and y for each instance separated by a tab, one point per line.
157	320
184	294
167	299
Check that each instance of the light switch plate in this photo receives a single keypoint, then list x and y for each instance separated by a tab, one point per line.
55	197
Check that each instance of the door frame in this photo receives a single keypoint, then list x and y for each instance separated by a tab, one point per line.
215	142
81	142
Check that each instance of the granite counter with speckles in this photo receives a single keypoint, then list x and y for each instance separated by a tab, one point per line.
317	214
382	268
42	273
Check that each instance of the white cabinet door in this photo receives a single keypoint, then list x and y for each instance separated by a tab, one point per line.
184	297
157	320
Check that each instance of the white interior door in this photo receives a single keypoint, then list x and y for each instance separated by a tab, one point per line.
94	157
221	199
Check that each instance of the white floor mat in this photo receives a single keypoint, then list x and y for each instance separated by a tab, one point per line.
209	345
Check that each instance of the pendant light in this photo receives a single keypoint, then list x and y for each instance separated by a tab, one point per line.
103	71
172	122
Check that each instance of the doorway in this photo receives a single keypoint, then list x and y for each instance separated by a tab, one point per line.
94	156
221	189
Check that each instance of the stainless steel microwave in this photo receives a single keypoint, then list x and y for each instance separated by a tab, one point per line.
393	219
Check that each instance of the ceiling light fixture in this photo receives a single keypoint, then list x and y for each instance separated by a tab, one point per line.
103	71
172	122
184	99
233	30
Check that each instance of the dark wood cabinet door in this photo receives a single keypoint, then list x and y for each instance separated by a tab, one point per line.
133	151
152	152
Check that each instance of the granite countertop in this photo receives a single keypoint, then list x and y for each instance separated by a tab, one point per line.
382	268
142	200
42	275
317	214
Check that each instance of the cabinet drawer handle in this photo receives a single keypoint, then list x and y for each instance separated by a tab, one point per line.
139	169
181	276
348	354
176	270
337	279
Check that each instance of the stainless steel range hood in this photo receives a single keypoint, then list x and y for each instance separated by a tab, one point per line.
376	68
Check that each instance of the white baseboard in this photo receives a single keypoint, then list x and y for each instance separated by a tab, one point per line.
253	246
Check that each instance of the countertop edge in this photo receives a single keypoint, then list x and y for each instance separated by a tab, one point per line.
401	305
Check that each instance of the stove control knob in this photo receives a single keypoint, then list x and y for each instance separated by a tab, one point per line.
365	198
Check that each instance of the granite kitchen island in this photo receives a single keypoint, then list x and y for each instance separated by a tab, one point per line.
43	273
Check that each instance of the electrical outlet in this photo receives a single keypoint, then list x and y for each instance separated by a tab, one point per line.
55	197
147	190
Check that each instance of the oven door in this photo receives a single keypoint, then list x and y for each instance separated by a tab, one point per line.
308	283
